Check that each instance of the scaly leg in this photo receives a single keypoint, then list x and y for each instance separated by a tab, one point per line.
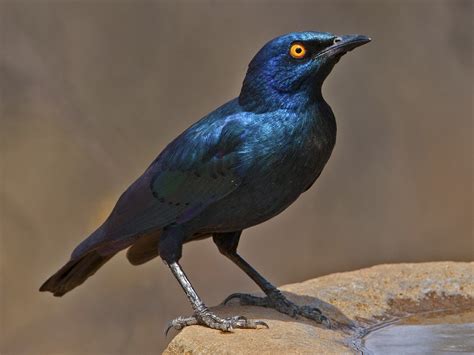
170	251
227	244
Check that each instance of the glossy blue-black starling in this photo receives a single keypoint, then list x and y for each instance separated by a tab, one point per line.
239	166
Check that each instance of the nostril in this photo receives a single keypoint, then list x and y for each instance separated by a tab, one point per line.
337	40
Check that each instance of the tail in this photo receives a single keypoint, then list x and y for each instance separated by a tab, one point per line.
74	273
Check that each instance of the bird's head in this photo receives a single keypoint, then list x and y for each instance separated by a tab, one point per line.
290	69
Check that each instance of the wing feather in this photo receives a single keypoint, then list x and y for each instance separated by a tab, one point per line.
197	169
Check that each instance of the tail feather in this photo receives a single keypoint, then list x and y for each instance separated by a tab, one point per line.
74	273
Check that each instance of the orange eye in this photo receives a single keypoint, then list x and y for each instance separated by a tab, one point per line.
297	51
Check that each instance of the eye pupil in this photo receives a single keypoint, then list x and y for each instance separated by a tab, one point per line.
298	50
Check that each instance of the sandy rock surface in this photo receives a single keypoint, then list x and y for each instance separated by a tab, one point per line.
361	298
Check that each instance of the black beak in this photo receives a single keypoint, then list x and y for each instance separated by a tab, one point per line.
344	44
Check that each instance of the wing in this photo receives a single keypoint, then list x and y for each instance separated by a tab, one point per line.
200	167
198	170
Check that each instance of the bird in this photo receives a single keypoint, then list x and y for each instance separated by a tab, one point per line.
238	166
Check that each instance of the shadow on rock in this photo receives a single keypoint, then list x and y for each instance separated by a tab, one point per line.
339	321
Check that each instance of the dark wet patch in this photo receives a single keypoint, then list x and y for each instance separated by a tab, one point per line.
434	332
441	310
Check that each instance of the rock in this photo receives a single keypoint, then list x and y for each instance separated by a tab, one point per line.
360	298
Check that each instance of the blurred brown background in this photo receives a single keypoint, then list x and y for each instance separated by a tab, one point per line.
92	91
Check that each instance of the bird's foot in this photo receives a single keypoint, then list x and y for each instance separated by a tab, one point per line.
209	319
275	299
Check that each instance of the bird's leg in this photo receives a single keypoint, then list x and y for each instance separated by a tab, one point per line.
227	244
202	315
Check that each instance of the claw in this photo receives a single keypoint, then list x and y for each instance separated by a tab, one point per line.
173	325
325	321
243	322
180	322
170	325
262	323
232	296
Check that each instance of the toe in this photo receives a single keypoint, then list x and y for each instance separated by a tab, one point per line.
211	320
262	323
247	300
226	327
180	322
310	312
326	322
315	314
232	297
244	323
